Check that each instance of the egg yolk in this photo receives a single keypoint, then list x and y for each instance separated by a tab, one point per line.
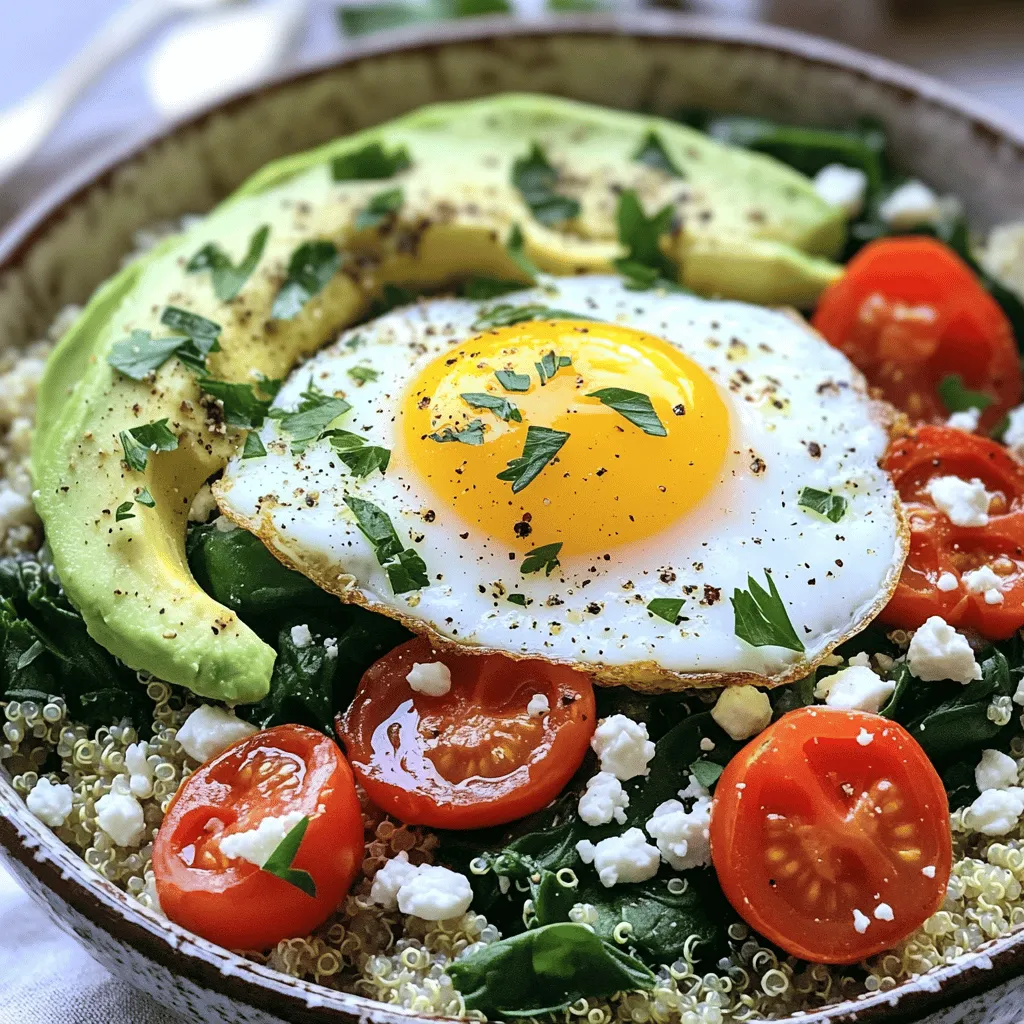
611	482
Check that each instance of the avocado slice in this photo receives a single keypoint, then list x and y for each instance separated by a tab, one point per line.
438	199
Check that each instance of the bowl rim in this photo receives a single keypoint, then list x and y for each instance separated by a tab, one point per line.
33	849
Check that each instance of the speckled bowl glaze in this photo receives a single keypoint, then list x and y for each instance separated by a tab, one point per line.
59	250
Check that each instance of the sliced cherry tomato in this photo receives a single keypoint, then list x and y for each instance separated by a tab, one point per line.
909	312
475	756
233	902
938	546
830	834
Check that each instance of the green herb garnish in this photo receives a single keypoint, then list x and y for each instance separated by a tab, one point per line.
314	415
145	498
202	336
956	398
311	266
652	153
245	405
544	557
536	179
380	208
229	279
707	773
140	354
542	445
406	570
831	506
487	288
361	458
501	407
761	618
645	266
138	442
371	163
519	599
472	434
666	608
123	511
505	315
516	249
279	863
363	374
512	381
549	365
253	448
634	406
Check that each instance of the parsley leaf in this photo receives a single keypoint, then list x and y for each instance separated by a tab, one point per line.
145	498
311	266
706	772
138	442
505	315
363	374
279	863
487	288
761	618
536	179
652	153
314	415
380	208
228	279
202	336
371	163
645	265
549	365
391	297
409	572
473	434
542	445
512	381
831	506
140	354
956	398
361	458
501	407
516	249
634	406
544	557
243	407
253	446
124	511
666	608
519	599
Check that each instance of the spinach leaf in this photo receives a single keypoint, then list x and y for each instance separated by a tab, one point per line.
545	970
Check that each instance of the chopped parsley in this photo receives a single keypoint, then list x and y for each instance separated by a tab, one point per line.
519	599
406	570
487	288
505	315
253	448
542	445
472	434
652	153
124	511
314	415
956	398
380	208
516	249
391	297
512	381
138	442
361	458
203	336
245	405
536	179
311	266
140	354
544	557
666	608
645	266
356	341
363	374
706	772
279	863
145	498
831	506
371	163
634	406
549	365
227	278
761	618
501	407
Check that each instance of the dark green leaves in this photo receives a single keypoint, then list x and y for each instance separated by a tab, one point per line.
138	442
362	374
228	279
645	266
542	445
245	406
545	970
956	398
472	434
482	288
544	557
382	207
761	618
253	448
193	326
501	407
549	365
316	411
361	458
124	511
140	354
536	180
279	863
505	315
371	163
519	599
666	608
634	406
516	249
831	506
707	773
652	153
512	381
375	17
312	265
406	570
145	498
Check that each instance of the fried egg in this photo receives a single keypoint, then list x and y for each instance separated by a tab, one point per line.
531	488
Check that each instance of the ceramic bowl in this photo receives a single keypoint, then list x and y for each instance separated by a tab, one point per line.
60	249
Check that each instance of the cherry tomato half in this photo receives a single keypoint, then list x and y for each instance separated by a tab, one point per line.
233	902
908	312
826	813
475	756
937	546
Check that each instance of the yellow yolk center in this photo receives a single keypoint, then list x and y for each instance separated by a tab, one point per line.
611	482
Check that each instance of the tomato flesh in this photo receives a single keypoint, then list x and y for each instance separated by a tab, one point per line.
233	902
825	813
474	756
909	312
938	546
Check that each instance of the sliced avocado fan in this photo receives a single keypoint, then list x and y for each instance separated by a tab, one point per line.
156	385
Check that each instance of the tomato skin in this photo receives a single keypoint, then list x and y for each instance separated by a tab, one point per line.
908	312
414	754
795	852
938	546
233	902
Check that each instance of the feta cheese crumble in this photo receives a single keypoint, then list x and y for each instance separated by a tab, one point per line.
603	800
433	678
965	420
864	737
683	837
435	893
626	858
121	816
301	636
539	705
910	206
984	581
1013	436
937	651
210	730
965	502
742	711
995	770
928	871
257	844
622	747
140	771
883	912
996	811
842	186
860	922
947	583
390	877
857	688
49	803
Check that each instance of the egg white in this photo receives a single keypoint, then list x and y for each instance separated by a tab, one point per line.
800	417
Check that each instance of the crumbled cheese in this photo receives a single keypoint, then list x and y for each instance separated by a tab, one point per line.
257	844
965	502
140	771
884	912
856	688
683	837
965	420
15	508
910	206
49	803
860	660
937	651
622	747
390	878
224	525
694	790
928	871
583	913
983	581
539	705
301	636
435	893
210	730
626	858
947	582
121	816
864	737
604	800
996	811
432	678
707	744
1013	436
742	711
331	647
203	505
860	922
995	770
842	186
993	596
1018	694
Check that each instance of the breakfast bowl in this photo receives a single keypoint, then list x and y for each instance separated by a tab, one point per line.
94	226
